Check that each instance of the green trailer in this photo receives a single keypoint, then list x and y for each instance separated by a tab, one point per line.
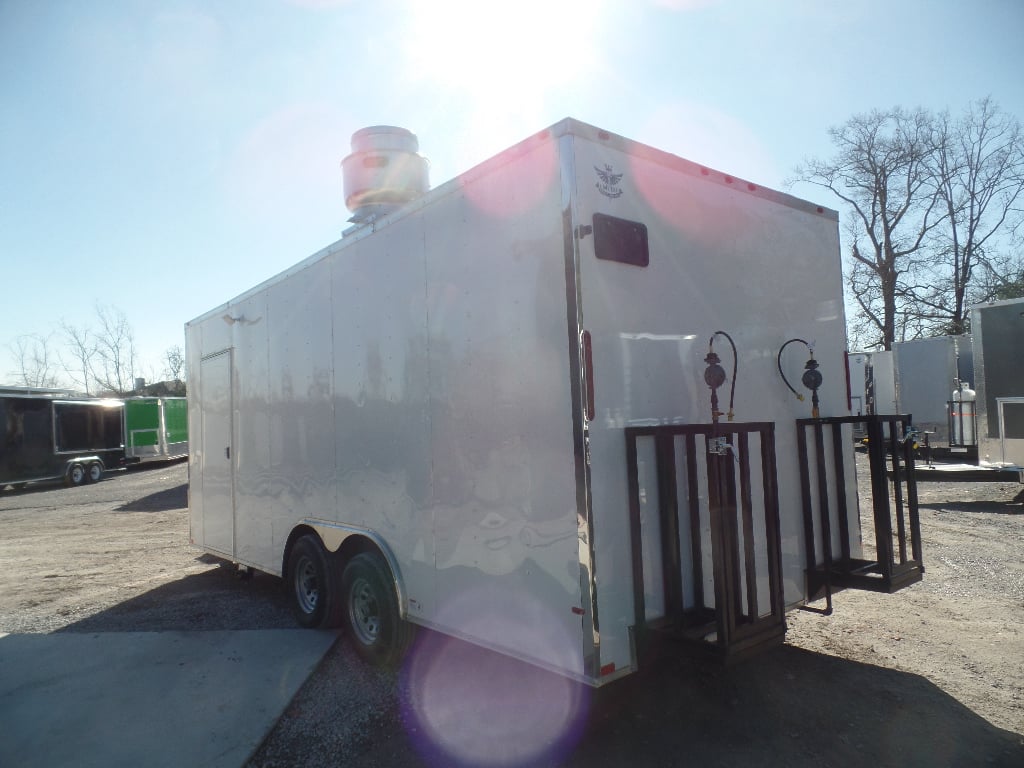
155	429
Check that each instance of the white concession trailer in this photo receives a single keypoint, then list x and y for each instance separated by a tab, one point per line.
540	408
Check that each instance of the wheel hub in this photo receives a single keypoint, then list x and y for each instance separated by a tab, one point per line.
364	611
307	588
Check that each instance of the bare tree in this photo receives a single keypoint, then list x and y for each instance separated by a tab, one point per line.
881	172
1006	283
81	349
174	363
978	166
115	351
35	361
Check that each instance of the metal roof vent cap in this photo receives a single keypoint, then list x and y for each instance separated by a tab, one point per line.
383	173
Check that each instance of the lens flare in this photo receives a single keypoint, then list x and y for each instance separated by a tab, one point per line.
466	705
524	183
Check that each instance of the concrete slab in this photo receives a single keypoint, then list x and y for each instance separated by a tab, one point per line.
969	473
148	698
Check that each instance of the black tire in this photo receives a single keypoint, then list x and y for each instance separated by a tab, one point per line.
76	475
94	473
372	619
311	584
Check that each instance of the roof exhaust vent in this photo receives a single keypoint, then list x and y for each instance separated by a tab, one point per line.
383	173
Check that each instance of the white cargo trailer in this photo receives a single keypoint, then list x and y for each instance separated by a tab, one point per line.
872	383
998	329
486	409
928	372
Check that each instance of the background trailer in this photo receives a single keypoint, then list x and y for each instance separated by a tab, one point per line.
49	438
872	383
998	331
155	429
540	408
928	372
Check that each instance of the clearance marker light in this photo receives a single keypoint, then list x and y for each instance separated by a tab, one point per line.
588	375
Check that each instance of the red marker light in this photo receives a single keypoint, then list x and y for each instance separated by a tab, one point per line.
588	375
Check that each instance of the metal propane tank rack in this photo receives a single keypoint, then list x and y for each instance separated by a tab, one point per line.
720	465
897	530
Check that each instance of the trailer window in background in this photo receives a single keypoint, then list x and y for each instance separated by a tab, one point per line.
87	427
26	444
621	240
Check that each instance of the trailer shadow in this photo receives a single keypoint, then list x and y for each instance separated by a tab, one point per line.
23	489
1013	507
161	501
786	707
216	599
789	707
152	466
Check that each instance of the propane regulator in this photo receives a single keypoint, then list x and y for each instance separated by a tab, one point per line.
812	378
714	375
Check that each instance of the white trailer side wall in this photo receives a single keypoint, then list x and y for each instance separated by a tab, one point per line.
501	449
414	382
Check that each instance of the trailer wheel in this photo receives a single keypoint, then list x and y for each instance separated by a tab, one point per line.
374	625
94	473
75	475
311	584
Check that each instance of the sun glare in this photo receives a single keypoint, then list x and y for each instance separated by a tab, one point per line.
496	69
511	47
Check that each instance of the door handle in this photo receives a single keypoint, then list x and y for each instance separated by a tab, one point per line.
227	452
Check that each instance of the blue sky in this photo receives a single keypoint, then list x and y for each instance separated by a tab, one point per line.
163	157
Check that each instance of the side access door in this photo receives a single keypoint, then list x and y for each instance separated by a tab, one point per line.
216	461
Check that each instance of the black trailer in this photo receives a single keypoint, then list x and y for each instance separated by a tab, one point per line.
48	438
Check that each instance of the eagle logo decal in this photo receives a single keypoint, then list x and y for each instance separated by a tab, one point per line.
608	182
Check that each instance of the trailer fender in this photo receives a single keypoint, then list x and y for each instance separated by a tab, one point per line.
94	471
75	474
334	537
79	470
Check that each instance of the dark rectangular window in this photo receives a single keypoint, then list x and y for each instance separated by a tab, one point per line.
621	240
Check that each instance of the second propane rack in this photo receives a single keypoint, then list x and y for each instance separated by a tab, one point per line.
897	529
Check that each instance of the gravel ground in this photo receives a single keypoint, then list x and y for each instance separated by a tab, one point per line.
931	675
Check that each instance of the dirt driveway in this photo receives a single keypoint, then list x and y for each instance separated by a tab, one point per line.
931	676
